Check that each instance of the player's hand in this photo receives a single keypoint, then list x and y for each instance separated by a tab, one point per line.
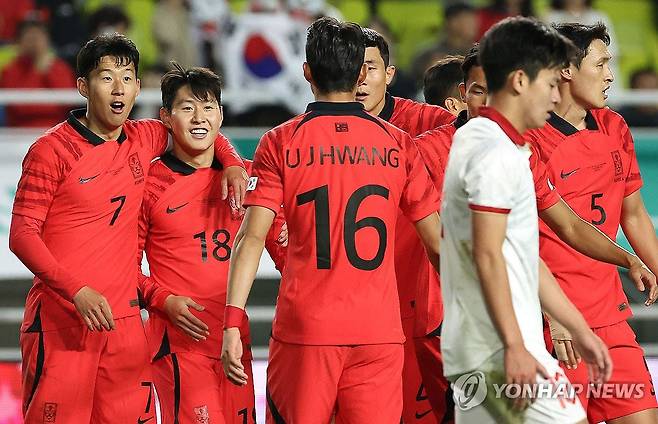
521	368
595	354
232	356
236	177
643	278
94	309
177	309
562	341
283	236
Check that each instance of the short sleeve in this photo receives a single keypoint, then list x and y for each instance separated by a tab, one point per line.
40	178
633	178
491	180
419	197
545	191
265	187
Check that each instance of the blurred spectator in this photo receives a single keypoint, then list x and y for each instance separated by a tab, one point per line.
499	10
210	23
36	66
171	29
458	35
12	12
67	27
310	10
441	84
107	20
642	116
403	85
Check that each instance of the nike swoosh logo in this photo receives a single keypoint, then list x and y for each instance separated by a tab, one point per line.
419	416
565	175
141	421
86	180
174	209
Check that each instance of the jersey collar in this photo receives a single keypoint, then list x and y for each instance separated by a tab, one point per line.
89	135
566	128
177	165
389	105
505	125
331	108
462	118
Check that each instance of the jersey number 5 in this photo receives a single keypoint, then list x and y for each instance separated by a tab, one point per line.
320	196
599	208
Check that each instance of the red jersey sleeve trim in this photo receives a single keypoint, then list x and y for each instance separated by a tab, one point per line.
632	189
263	203
481	208
548	201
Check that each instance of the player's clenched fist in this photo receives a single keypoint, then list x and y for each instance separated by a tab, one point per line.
94	309
232	356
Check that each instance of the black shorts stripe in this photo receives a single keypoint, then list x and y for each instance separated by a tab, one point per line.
449	416
278	419
174	362
41	355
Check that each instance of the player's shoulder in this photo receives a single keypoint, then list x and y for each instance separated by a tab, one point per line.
284	131
160	176
143	126
442	133
59	140
609	121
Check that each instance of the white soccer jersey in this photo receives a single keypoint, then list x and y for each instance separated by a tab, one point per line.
488	170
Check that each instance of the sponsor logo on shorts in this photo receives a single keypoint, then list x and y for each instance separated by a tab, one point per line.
49	412
251	185
202	415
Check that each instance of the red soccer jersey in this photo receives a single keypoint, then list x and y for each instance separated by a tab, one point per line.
187	232
341	175
414	118
593	170
87	192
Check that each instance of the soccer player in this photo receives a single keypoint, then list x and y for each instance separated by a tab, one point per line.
441	84
490	249
74	225
411	264
341	175
588	150
188	232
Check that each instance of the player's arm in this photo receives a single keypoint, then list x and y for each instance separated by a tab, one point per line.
429	231
276	242
247	250
489	230
641	234
556	304
588	240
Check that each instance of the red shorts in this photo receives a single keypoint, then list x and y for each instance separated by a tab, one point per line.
74	375
416	407
628	366
439	393
194	389
360	384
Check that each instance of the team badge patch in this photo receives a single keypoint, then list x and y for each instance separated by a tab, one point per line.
251	185
619	167
136	168
49	412
202	415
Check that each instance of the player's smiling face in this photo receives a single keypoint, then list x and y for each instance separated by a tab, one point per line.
110	89
541	97
591	81
194	122
372	91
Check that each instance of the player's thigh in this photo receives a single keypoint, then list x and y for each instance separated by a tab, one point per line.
630	383
124	383
370	388
59	372
437	387
302	382
238	402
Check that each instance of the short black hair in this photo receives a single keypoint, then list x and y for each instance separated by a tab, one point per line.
582	36
107	16
521	43
334	54
442	80
471	60
115	45
455	9
202	81
30	22
375	39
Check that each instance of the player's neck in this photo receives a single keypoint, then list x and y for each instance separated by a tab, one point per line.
201	160
380	106
569	109
511	109
336	97
95	126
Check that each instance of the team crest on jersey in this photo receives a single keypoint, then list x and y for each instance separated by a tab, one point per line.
252	183
202	415
49	412
136	168
619	167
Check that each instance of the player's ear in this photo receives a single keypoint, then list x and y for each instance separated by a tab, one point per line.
221	115
307	73
363	73
165	117
390	73
451	105
83	88
566	74
462	91
518	80
139	86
